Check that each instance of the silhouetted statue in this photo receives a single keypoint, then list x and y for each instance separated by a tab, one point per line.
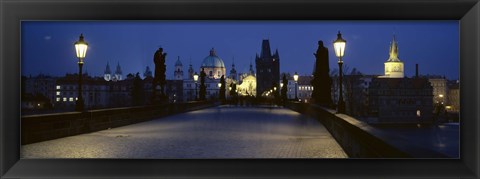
203	87
322	82
222	89
159	79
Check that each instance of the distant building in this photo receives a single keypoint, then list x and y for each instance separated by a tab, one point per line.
304	88
393	66
41	85
38	92
400	100
268	69
107	75
96	92
453	96
213	66
118	73
440	89
190	72
147	73
178	73
248	87
233	72
117	76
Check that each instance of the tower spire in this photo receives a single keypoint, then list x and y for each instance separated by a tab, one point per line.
393	50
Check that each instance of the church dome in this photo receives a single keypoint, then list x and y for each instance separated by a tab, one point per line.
212	61
178	62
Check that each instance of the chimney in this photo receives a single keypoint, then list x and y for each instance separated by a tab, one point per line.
416	70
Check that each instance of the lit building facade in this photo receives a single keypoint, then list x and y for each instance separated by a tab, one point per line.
453	96
440	89
213	66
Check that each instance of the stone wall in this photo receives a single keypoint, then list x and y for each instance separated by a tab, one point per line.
37	128
360	140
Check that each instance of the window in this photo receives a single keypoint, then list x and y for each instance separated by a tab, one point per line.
58	93
58	86
58	99
70	99
64	99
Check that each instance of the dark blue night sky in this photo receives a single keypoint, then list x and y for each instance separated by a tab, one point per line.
47	47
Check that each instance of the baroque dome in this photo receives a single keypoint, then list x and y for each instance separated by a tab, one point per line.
212	61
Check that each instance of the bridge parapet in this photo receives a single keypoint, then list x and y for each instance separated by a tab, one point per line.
359	139
37	128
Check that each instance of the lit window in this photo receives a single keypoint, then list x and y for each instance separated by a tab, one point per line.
70	99
58	86
58	93
58	99
76	98
64	99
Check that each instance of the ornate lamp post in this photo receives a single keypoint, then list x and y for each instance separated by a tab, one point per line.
195	78
295	77
81	50
339	46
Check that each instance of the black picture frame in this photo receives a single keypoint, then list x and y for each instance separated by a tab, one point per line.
12	12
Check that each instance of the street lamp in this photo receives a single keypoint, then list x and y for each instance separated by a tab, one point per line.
81	50
219	86
339	46
295	77
195	78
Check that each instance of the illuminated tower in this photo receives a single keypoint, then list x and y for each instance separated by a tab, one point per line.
393	66
178	74
108	74
118	73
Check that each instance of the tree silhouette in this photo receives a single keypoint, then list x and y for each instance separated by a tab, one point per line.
203	87
222	88
159	79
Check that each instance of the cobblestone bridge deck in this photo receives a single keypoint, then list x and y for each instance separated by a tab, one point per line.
218	132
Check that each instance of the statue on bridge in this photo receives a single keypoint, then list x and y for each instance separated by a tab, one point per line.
321	79
159	79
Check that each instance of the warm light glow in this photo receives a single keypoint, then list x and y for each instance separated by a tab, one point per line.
229	88
195	77
281	85
418	113
295	77
448	107
275	88
339	45
81	48
440	95
219	85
